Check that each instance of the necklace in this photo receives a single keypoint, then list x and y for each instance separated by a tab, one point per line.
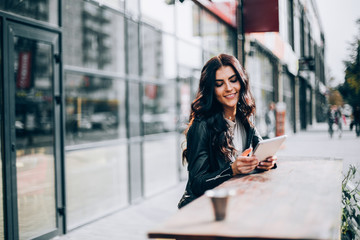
230	118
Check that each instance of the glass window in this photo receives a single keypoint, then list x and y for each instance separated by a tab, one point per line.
217	36
152	54
42	10
150	10
188	22
134	109
97	181
95	108
158	55
159	108
209	32
133	47
227	40
34	128
160	164
168	50
89	39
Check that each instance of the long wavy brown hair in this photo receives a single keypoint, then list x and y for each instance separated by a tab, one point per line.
208	108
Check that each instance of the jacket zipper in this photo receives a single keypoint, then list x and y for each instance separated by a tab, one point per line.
218	176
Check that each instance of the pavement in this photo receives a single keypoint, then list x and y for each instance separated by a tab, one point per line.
133	222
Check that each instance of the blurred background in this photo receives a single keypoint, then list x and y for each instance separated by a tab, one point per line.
96	94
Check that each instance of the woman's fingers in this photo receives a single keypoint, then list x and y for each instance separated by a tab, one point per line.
268	163
243	165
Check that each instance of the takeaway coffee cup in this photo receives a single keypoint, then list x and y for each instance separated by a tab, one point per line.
219	199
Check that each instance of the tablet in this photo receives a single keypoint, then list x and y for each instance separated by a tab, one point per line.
267	148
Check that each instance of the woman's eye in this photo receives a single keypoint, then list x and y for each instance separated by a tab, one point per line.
218	84
233	80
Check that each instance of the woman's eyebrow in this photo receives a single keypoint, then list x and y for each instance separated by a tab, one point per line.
228	78
232	76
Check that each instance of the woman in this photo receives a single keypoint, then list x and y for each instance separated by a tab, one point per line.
220	128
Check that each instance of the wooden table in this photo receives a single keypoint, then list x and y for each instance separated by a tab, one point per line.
301	199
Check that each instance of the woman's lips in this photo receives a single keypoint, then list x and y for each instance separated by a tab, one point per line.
230	95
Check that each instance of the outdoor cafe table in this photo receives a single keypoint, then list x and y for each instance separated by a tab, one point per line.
301	199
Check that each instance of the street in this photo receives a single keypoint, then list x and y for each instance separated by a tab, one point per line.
316	142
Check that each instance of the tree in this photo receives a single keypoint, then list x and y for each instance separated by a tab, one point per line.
350	89
335	98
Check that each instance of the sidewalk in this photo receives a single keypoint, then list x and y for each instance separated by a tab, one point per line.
133	222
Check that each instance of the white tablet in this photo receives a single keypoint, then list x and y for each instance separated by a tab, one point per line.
267	148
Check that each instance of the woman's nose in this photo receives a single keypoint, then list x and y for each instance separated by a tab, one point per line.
228	86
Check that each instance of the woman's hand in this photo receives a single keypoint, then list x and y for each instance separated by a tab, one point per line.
243	164
267	164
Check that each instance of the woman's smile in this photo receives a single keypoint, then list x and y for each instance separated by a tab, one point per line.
231	95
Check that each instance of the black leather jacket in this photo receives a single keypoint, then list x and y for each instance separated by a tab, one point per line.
207	166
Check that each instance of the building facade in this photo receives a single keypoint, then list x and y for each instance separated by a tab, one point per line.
286	66
95	95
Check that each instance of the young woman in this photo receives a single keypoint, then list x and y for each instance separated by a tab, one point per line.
220	128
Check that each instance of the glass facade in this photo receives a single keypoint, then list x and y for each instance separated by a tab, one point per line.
34	125
42	10
128	76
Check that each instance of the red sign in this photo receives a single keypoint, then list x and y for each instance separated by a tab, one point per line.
260	16
151	91
23	79
225	10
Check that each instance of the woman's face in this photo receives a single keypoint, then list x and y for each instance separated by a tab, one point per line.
227	87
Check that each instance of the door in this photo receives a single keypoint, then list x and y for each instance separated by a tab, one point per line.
35	123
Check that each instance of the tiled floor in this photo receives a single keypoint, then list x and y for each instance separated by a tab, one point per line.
133	222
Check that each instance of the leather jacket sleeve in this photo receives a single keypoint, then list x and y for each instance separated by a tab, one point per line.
206	171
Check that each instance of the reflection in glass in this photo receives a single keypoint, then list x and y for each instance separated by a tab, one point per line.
96	183
34	124
133	47
134	110
95	109
169	51
43	10
227	40
95	45
160	162
159	108
152	54
209	32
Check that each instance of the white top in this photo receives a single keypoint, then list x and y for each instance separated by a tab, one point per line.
237	130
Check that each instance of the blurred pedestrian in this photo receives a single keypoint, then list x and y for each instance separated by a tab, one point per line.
356	116
331	119
221	131
338	120
270	121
